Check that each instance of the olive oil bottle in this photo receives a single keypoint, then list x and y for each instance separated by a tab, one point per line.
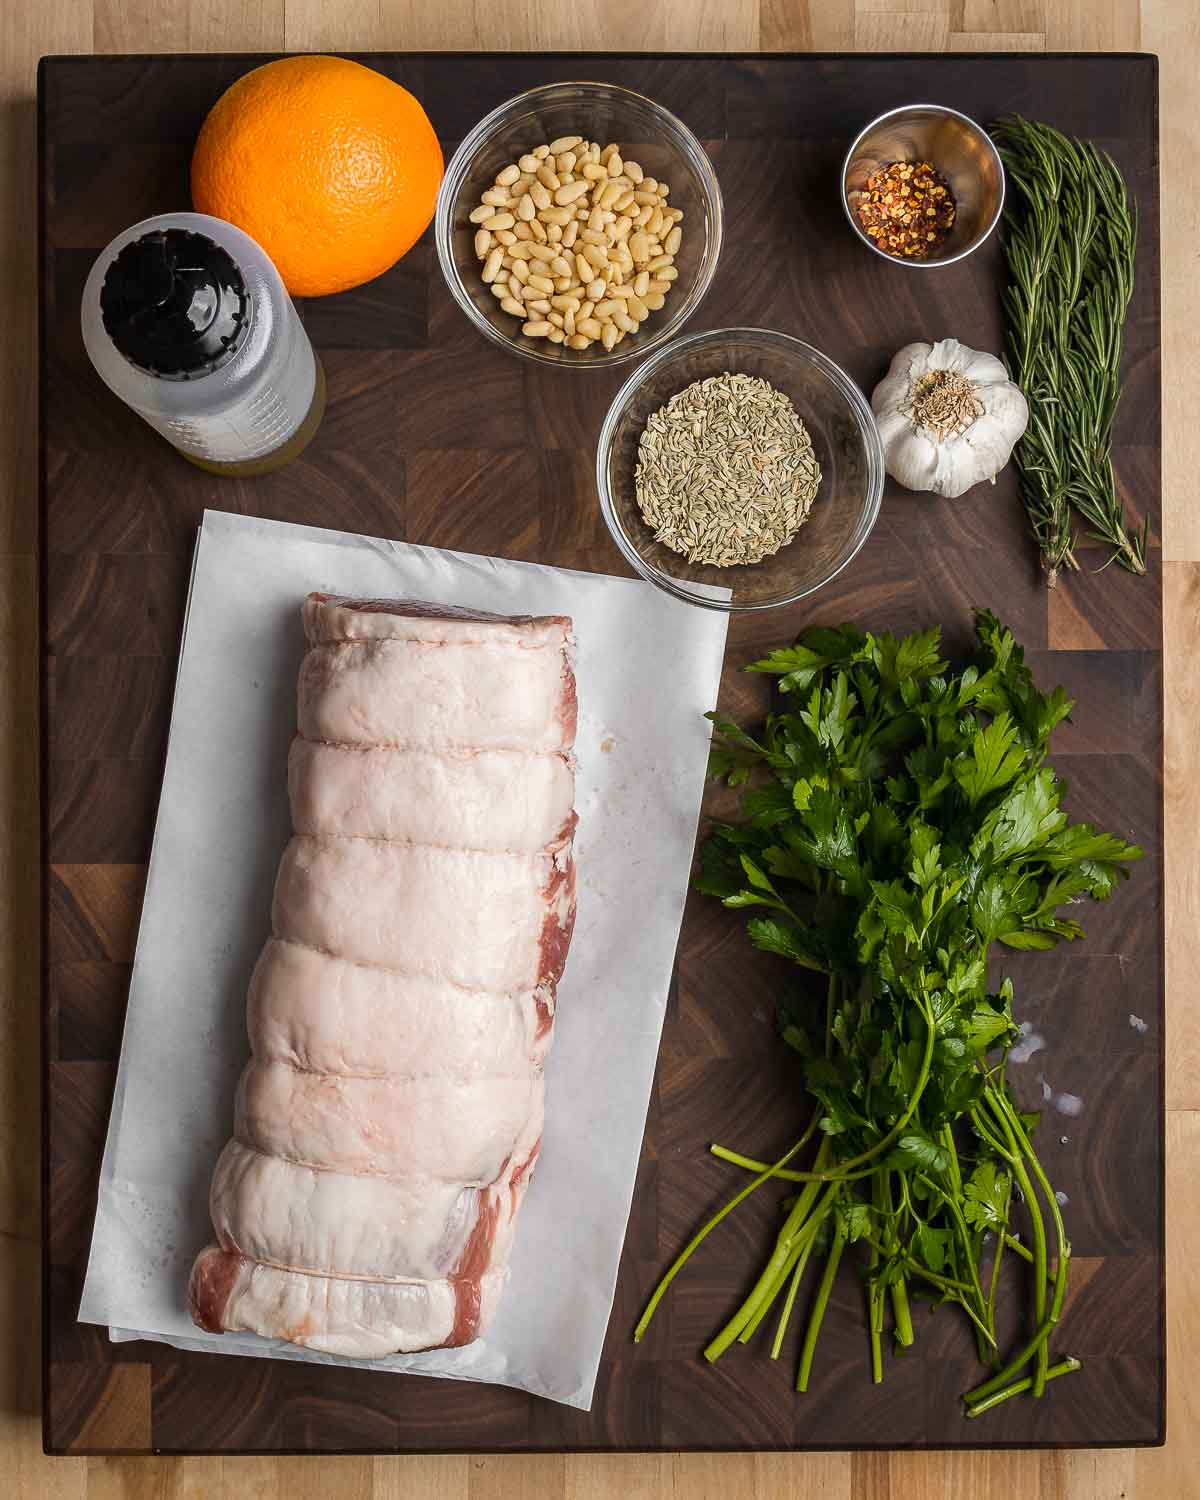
187	321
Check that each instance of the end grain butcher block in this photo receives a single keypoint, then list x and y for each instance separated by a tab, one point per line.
389	1120
433	436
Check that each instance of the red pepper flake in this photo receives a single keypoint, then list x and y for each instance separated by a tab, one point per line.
907	209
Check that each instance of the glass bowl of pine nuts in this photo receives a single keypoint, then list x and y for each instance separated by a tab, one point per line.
579	224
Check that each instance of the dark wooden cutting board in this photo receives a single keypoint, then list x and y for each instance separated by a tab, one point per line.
433	436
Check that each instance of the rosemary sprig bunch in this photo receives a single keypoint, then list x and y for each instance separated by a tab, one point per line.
1070	234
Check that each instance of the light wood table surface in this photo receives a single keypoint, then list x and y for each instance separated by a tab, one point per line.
30	28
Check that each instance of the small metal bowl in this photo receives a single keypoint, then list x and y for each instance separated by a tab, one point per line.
959	148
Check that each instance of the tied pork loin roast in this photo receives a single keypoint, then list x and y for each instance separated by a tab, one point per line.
390	1116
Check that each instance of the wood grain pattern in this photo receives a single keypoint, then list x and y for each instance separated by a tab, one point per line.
31	27
429	438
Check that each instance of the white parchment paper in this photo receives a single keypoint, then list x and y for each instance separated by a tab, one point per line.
648	668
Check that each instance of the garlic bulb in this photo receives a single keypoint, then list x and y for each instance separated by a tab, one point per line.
949	417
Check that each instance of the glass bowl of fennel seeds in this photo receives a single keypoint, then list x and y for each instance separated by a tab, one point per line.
743	459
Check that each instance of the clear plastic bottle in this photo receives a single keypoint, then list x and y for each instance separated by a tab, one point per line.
187	321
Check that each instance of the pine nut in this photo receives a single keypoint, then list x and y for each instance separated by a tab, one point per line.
664	190
569	192
577	241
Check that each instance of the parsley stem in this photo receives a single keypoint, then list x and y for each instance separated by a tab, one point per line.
1016	1363
764	1307
960	1225
955	1289
698	1238
1003	1112
785	1312
801	1226
901	1312
816	1317
1063	1367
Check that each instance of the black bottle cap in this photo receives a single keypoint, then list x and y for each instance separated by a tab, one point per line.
175	304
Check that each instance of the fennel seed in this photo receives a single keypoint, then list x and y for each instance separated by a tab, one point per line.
726	471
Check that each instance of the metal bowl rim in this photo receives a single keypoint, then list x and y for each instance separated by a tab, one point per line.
937	109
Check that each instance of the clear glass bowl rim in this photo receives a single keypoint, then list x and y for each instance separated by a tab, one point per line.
838	378
460	165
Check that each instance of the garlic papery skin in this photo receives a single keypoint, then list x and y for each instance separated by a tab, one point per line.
948	417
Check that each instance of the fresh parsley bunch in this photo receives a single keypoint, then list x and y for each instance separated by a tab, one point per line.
897	820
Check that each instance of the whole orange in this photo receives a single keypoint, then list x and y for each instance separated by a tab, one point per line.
330	166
